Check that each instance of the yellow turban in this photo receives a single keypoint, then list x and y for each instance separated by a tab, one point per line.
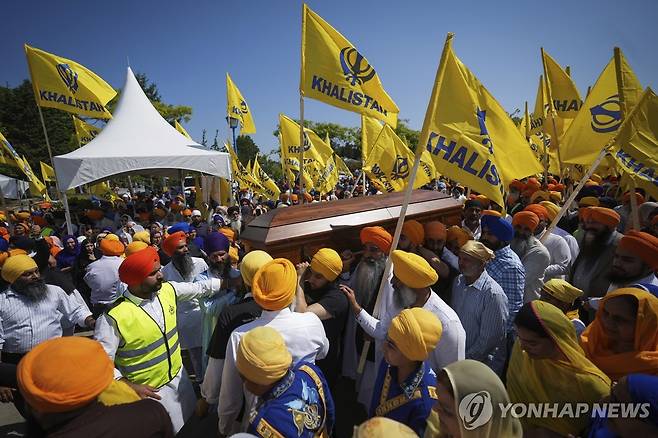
274	284
142	236
15	266
262	356
382	427
458	233
327	263
52	379
588	201
113	237
415	332
233	254
562	290
135	246
555	196
539	194
414	231
413	270
596	178
551	209
477	250
251	263
228	232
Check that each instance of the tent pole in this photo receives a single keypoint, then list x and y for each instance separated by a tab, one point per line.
67	212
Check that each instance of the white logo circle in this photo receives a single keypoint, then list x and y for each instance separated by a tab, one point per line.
475	409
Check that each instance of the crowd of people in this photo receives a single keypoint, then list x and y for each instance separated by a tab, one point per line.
186	322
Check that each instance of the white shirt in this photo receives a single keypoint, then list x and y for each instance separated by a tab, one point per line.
560	257
102	277
451	346
304	336
477	233
25	323
535	261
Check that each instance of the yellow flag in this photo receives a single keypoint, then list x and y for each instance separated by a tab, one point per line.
240	174
236	107
36	186
270	189
47	172
601	116
180	129
334	72
84	131
636	146
342	167
103	190
8	154
470	136
561	90
66	85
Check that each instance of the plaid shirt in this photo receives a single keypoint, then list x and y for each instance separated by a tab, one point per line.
509	273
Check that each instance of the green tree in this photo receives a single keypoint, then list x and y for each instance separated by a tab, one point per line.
247	149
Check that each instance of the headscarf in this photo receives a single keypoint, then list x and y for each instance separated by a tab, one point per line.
562	290
67	256
499	227
644	245
416	332
413	270
378	236
527	219
414	231
382	427
215	242
172	242
435	230
274	284
15	266
469	377
52	379
112	248
327	263
477	250
262	356
136	267
251	263
644	359
459	234
575	379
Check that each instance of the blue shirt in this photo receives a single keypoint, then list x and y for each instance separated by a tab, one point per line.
299	405
508	271
409	402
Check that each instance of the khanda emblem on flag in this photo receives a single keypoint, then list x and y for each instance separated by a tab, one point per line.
401	168
606	116
355	67
482	117
69	77
243	107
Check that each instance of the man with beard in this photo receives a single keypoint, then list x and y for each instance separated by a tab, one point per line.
140	333
199	225
234	219
365	282
635	261
440	258
471	217
192	247
32	311
411	287
318	292
411	237
531	252
598	244
557	247
480	304
184	268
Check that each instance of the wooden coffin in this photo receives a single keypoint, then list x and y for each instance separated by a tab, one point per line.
297	232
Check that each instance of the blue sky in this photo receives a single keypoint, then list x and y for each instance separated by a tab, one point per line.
187	47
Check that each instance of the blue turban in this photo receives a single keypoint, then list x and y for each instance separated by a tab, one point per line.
644	389
4	245
498	226
180	226
214	242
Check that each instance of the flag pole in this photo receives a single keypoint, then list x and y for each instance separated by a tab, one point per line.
302	186
50	152
634	211
553	113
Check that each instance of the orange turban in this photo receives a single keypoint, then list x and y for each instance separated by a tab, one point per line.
377	236
559	187
458	233
638	197
605	216
111	247
274	284
644	245
187	212
518	185
136	267
539	210
172	242
228	232
52	379
308	197
132	248
4	255
526	218
414	231
532	185
654	221
436	230
483	200
294	197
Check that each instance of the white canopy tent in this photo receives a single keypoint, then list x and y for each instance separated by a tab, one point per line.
136	140
12	188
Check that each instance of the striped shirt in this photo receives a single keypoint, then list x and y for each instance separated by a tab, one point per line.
508	271
25	323
482	309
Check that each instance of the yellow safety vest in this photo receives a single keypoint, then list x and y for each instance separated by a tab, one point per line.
148	355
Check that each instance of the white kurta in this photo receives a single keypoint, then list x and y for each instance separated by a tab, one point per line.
560	257
177	396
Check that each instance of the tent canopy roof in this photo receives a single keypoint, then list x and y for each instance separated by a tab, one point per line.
136	140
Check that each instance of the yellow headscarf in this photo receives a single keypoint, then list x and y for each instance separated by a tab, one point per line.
327	263
262	356
562	290
274	284
575	379
413	270
416	332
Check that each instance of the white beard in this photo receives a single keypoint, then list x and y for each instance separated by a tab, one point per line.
367	278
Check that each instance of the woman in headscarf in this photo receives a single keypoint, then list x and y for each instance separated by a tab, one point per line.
458	381
548	366
66	257
623	338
